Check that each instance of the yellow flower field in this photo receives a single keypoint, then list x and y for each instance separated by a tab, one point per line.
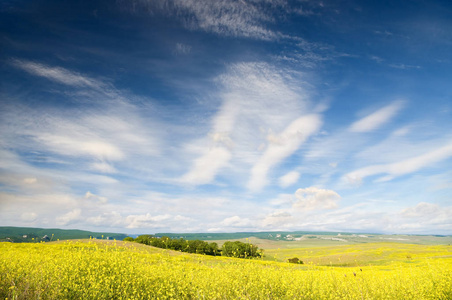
118	270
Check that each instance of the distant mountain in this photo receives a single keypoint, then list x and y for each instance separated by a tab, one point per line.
29	234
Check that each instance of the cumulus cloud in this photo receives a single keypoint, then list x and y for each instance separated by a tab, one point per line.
313	198
403	167
277	219
289	179
377	118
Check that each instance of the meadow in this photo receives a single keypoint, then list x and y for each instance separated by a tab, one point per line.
100	269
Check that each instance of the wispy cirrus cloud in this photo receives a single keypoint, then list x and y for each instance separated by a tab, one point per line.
232	18
286	143
403	167
206	167
257	100
57	74
377	118
110	129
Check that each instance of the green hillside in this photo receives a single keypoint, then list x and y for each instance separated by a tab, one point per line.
30	234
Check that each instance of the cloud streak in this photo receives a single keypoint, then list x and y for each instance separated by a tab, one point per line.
283	146
377	119
57	74
403	167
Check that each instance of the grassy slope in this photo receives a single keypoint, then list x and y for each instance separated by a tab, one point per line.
344	255
102	269
361	254
354	251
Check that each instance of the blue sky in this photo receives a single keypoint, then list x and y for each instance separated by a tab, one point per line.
221	116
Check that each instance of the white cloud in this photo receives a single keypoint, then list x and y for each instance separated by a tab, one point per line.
182	48
277	219
282	200
90	138
75	146
226	17
286	144
313	198
289	179
107	219
28	217
57	74
69	218
237	221
377	118
31	180
206	167
147	221
103	167
425	216
91	196
223	17
256	100
403	167
422	209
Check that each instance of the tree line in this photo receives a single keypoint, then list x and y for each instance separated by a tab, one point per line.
232	249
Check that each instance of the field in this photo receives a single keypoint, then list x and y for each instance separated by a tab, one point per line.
99	269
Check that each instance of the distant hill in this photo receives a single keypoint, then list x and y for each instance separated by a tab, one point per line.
29	234
269	235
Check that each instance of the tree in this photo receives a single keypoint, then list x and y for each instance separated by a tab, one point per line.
240	250
144	239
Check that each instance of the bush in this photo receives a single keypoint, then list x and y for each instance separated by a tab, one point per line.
295	260
128	239
240	250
